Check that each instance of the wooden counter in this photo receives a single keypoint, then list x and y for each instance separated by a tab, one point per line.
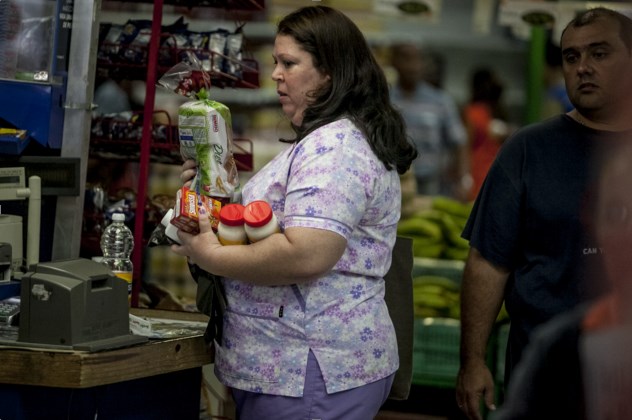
159	378
74	369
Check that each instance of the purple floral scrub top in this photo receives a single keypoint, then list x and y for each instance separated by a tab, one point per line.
330	180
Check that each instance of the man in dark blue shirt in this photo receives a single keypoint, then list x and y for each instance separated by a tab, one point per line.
529	242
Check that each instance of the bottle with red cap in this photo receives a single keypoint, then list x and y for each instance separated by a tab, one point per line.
230	229
260	221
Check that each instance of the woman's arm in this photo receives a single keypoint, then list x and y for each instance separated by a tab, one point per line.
297	255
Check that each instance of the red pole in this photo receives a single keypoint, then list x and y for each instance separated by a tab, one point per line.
145	151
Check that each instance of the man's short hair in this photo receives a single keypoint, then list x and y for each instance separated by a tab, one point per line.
589	16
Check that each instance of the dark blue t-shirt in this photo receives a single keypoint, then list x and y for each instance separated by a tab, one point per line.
532	217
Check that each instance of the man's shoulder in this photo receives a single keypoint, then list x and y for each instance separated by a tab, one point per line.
541	132
548	125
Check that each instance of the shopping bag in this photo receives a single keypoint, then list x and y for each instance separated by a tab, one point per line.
399	300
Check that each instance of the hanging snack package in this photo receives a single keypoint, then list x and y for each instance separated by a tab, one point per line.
205	135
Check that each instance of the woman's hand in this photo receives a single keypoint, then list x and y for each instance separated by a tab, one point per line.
200	248
189	169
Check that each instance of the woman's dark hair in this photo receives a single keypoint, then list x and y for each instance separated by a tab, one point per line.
358	88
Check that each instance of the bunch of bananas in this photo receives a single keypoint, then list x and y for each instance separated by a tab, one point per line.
436	297
436	231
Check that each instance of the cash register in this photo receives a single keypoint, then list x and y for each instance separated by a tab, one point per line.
75	304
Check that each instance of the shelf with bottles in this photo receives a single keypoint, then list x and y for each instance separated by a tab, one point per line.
237	71
118	136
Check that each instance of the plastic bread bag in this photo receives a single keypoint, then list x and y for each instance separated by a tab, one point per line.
206	125
204	130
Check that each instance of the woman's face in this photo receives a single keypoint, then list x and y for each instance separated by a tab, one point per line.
296	77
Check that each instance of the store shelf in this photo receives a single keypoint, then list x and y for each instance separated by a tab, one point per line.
140	139
222	4
119	66
119	137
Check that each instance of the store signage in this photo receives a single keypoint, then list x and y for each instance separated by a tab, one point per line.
416	9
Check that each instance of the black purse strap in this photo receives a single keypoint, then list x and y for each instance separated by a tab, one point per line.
211	301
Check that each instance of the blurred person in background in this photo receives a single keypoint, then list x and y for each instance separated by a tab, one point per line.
528	241
433	67
306	331
579	365
556	99
434	124
486	122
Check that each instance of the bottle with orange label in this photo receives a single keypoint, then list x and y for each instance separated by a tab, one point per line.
230	229
117	243
260	221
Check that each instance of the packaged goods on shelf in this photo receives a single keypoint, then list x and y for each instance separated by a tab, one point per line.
123	52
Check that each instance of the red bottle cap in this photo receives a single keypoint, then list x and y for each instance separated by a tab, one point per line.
257	213
232	215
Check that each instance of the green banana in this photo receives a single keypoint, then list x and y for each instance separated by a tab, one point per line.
442	282
431	300
432	215
452	269
452	232
416	226
423	250
451	206
456	253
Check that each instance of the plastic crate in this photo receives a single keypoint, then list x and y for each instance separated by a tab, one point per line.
436	352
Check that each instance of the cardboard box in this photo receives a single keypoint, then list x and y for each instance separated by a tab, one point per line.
186	213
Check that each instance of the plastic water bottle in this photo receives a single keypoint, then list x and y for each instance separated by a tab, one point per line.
117	243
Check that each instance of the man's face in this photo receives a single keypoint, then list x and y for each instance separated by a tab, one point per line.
597	69
407	61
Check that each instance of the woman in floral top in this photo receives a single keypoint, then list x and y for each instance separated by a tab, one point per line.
307	334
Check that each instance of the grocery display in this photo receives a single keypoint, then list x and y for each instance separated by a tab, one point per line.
436	287
436	230
436	300
124	50
145	49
